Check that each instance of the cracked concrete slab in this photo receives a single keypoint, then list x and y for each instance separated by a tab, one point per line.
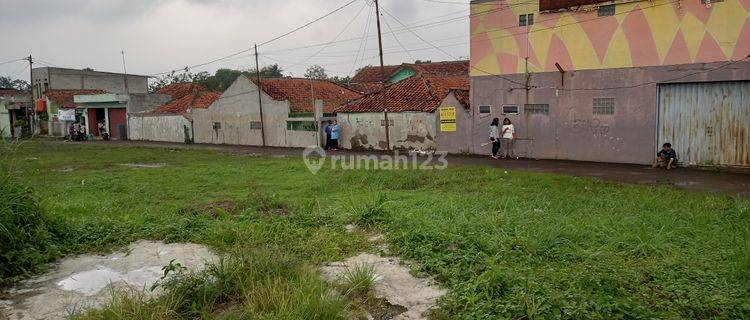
393	282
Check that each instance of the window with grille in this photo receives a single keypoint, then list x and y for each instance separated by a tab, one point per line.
536	109
606	10
604	106
256	125
710	1
485	109
301	126
510	109
217	125
526	19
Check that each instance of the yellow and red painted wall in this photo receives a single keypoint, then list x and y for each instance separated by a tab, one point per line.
629	58
639	34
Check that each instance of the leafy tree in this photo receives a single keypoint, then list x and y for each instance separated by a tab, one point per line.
272	71
219	81
344	81
316	72
8	82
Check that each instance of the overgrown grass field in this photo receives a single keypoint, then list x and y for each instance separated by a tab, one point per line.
508	245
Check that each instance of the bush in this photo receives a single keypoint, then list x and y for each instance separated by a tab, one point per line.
26	242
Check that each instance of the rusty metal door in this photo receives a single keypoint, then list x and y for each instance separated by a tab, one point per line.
707	123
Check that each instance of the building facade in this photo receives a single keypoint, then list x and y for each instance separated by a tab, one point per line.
293	113
410	109
610	81
13	107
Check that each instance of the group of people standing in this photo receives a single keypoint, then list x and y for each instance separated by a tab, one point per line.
77	132
502	138
333	133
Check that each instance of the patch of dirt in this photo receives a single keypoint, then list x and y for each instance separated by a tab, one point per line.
68	169
394	283
381	309
144	165
87	281
213	209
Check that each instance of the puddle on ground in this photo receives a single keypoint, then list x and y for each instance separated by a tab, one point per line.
144	165
87	281
687	184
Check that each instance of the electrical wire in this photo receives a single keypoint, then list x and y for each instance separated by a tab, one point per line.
388	25
264	43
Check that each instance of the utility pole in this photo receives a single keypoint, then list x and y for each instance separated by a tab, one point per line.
125	70
260	98
30	59
382	76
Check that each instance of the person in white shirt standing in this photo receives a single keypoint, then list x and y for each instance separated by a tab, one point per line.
508	136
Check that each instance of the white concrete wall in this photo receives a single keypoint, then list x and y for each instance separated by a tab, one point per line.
5	129
409	130
163	128
235	110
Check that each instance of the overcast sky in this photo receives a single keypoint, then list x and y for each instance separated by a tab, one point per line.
161	35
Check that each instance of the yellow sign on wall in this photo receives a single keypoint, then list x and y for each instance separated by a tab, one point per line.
448	119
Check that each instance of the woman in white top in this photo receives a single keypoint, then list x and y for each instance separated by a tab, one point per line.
508	135
495	137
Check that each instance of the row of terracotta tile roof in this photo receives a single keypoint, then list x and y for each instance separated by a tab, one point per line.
370	79
64	97
186	97
13	92
300	93
422	93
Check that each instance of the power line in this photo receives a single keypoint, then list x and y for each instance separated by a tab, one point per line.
398	41
362	45
264	43
11	61
309	23
345	28
412	27
446	52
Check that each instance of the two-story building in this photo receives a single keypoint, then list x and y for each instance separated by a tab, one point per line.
53	90
611	81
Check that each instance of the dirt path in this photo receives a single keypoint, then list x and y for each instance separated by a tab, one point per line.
724	182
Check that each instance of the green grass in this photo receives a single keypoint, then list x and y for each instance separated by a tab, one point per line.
508	246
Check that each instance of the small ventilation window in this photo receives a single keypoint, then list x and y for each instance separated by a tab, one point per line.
606	10
604	106
510	109
485	109
217	125
526	20
536	109
255	125
710	1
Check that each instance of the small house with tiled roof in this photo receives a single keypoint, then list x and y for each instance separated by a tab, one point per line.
293	110
172	121
412	108
370	79
13	106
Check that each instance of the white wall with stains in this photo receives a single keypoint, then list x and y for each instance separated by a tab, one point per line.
163	128
408	130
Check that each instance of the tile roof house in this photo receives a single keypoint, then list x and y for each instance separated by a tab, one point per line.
411	105
370	79
186	97
293	110
301	92
420	93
